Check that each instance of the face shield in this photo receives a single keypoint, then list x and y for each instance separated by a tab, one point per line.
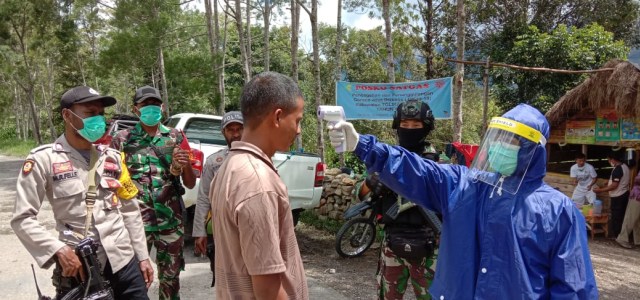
505	154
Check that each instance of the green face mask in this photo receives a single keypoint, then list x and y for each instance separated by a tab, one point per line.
503	158
93	129
150	115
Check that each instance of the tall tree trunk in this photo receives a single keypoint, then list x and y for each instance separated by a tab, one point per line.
52	129
34	114
27	117
161	70
338	70
338	42
246	73
457	101
220	57
17	111
249	42
391	70
295	24
223	61
313	17
316	72
295	30
163	81
427	45
29	86
214	53
266	17
49	96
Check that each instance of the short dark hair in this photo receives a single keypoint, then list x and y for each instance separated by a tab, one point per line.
617	155
265	92
581	156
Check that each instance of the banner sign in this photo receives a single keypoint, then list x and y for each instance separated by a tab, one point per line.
580	132
630	129
607	126
378	101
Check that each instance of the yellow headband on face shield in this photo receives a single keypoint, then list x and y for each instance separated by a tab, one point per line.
518	128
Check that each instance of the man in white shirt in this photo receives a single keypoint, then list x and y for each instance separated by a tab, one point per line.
585	177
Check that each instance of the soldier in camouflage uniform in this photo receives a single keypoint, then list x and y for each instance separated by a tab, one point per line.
157	157
413	120
232	126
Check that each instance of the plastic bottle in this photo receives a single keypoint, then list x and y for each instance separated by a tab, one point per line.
597	207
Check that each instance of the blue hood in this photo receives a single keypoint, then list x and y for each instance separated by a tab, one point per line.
530	116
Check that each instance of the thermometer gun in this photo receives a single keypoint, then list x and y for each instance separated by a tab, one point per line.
332	114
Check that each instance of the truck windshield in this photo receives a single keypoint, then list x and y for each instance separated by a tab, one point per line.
207	131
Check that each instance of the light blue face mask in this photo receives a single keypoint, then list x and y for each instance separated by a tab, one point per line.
93	127
150	115
503	158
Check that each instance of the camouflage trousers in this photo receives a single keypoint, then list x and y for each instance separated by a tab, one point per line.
169	245
395	273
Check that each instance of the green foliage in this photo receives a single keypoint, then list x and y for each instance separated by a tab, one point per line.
328	225
564	48
114	48
12	146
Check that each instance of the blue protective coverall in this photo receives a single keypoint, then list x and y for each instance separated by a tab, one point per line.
532	245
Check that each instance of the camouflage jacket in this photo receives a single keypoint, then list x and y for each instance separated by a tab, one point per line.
160	205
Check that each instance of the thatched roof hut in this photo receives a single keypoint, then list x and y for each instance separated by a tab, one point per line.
619	89
593	111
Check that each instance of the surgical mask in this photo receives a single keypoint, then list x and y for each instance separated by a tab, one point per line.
93	127
503	158
150	115
412	139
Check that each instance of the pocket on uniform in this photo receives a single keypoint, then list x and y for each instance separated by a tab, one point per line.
67	188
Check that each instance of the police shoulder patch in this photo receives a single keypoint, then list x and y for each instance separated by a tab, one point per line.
27	167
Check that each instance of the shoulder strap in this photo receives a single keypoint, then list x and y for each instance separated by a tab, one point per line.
90	199
163	160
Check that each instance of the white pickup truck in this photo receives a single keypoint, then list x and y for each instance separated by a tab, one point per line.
302	173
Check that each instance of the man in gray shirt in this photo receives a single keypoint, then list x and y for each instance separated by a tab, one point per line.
232	126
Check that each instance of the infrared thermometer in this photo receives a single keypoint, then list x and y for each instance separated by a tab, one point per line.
332	114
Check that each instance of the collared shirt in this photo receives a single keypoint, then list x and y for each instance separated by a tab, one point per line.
203	205
59	173
151	174
253	226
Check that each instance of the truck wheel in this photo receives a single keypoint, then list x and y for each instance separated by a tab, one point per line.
296	215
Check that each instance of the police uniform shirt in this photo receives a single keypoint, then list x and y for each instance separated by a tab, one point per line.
59	173
203	204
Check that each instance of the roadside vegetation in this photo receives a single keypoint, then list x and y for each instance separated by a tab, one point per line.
12	146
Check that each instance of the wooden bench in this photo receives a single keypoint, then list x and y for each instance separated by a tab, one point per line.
598	224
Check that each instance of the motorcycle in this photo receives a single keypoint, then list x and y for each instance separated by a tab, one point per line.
359	232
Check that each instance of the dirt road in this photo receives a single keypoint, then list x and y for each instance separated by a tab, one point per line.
16	279
329	276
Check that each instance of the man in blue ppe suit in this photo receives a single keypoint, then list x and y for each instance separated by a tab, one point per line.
505	233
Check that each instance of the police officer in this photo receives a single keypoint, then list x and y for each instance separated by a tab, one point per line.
232	126
60	172
158	157
406	223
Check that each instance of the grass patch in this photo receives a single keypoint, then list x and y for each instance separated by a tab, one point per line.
329	225
16	147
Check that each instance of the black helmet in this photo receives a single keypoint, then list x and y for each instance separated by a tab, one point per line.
414	110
